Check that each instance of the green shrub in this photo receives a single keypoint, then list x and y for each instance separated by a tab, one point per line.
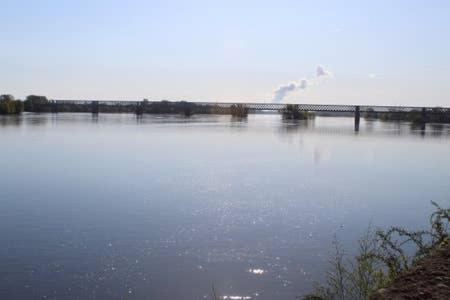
293	112
381	258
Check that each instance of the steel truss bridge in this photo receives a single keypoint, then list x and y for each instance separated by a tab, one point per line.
145	106
261	107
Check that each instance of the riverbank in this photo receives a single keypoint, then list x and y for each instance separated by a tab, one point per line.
429	279
383	269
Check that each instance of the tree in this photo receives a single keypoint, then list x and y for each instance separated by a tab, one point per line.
8	105
7	97
36	103
293	112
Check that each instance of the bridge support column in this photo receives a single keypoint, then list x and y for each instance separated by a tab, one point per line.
357	117
54	107
423	121
94	107
424	115
139	108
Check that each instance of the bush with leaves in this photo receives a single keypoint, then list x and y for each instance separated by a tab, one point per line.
293	112
381	258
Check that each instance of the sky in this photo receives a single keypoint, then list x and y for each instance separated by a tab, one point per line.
382	52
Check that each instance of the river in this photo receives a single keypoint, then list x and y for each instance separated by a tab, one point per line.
166	207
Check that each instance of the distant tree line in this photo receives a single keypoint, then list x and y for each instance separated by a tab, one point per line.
35	103
9	105
436	115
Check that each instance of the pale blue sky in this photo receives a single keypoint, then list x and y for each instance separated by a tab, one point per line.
379	52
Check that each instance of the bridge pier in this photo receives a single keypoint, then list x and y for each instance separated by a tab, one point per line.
139	108
54	107
424	115
94	107
357	117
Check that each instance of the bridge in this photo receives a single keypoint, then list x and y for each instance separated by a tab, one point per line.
140	107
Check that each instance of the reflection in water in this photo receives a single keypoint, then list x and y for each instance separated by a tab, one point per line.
356	129
94	118
290	126
328	126
239	123
418	128
238	119
158	207
10	120
35	119
438	129
368	128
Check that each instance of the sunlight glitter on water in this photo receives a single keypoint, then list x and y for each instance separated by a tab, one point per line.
257	271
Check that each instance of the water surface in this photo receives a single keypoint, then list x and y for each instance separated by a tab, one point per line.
164	207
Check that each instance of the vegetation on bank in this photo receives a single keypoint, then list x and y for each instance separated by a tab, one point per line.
381	258
239	110
9	105
293	112
35	103
434	115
